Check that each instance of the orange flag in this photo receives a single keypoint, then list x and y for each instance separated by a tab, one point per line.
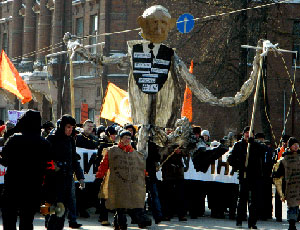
187	108
115	105
11	80
84	112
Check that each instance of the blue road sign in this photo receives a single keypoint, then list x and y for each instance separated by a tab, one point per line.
185	23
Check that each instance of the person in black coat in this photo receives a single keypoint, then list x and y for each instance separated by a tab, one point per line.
151	181
66	163
106	140
249	185
87	140
25	155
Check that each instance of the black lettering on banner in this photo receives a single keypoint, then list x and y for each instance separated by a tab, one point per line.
222	164
87	163
213	168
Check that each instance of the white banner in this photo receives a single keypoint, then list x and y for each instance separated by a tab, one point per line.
221	171
87	163
13	115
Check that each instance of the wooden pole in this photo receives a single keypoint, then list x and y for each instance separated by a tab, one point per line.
253	113
265	47
72	87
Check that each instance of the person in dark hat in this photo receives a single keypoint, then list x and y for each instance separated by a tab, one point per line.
25	155
279	152
132	130
86	140
47	127
66	163
100	129
250	177
106	140
124	185
287	169
265	207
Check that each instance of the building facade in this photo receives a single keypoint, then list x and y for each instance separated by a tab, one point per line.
32	29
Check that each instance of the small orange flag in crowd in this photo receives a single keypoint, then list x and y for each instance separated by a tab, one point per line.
84	112
12	81
115	106
187	108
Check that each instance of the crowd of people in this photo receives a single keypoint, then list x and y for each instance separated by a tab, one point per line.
43	170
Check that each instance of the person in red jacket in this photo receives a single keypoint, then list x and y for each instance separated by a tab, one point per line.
124	184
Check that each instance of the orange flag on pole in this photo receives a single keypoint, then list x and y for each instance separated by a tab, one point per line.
12	81
115	105
187	108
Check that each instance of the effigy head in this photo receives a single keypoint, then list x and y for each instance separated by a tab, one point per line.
156	22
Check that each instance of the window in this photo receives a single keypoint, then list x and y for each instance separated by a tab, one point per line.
296	45
79	34
77	115
93	31
296	57
3	114
79	27
92	114
98	91
296	28
5	43
250	56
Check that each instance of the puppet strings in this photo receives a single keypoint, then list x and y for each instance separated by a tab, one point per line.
291	99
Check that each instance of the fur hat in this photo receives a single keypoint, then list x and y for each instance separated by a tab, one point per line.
285	138
205	132
125	133
30	121
127	126
246	129
292	141
110	130
197	130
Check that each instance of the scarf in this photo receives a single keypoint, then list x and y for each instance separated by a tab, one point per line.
126	148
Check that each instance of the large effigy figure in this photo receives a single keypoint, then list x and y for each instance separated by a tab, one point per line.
153	84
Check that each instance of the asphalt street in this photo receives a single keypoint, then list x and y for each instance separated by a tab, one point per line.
191	224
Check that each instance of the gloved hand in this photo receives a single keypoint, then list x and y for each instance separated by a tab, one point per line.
60	209
82	184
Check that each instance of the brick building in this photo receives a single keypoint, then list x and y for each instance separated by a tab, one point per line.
42	25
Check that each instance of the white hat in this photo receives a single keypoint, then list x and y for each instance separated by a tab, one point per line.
205	132
214	144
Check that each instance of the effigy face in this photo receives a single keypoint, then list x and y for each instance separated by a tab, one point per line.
156	23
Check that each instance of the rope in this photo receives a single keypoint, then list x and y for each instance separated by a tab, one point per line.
291	99
266	112
137	29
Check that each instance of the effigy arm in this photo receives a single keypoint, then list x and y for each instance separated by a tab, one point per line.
204	95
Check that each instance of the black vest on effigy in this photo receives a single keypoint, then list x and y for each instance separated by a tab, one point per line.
151	73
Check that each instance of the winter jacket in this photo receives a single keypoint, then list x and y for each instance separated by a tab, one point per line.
25	155
87	142
237	158
65	157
